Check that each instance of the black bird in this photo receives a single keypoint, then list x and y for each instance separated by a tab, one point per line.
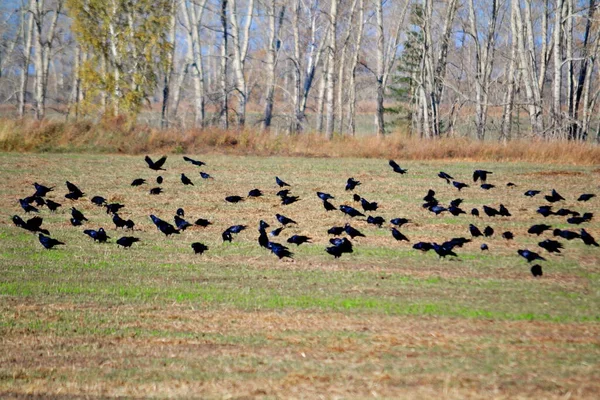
275	232
352	232
180	211
280	183
480	174
284	220
531	193
398	235
279	250
430	196
586	217
456	211
159	180
484	247
545	210
204	175
118	221
74	192
255	193
129	224
286	200
490	211
75	222
443	251
536	270
586	237
423	246
538	229
156	190
199	248
328	206
563	212
164	226
325	196
98	200
459	185
503	211
202	222
47	241
340	246
456	202
487	186
236	228
156	165
445	176
181	223
554	197
356	197
488	231
586	197
39	201
396	167
41	190
456	242
335	230
551	246
100	235
351	184
299	239
263	240
138	182
233	199
283	193
510	184
127	241
27	207
475	212
113	208
351	211
185	180
530	255
194	162
33	224
52	205
475	232
565	234
437	210
508	235
376	220
226	236
368	206
399	221
75	213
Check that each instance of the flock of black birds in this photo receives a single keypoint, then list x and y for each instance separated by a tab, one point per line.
339	244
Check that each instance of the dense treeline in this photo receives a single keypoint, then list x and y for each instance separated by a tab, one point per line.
499	68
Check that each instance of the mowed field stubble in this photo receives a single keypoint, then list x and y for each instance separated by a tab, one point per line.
157	320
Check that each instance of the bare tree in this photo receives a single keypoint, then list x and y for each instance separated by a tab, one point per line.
275	21
240	40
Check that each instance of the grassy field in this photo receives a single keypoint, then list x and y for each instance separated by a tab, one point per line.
156	320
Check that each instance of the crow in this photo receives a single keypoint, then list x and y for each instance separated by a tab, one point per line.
236	228
325	196
75	222
565	234
52	205
490	211
503	211
39	201
340	246
480	174
280	183
255	193
475	212
376	220
536	270
456	211
488	231
368	206
456	202
185	180
335	230
233	199
423	246
430	196
74	192
298	239
279	250
351	184
475	232
532	193
356	197
442	250
352	232
129	224
530	255
551	246
263	240
164	226
399	221
118	221
48	242
396	167
510	184
445	176
459	185
275	232
156	165
351	211
226	236
204	175
180	211
98	200
285	220
202	222
545	210
487	186
41	190
194	162
398	235
159	180
585	197
27	207
100	235
113	208
199	248
33	224
586	237
181	223
138	182
484	247
456	242
437	210
508	235
586	217
286	200
127	241
328	206
554	197
563	212
156	190
78	215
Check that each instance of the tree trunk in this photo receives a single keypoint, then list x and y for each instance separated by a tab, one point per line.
224	115
273	45
29	36
330	71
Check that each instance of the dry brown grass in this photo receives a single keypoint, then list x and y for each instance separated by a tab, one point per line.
121	136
